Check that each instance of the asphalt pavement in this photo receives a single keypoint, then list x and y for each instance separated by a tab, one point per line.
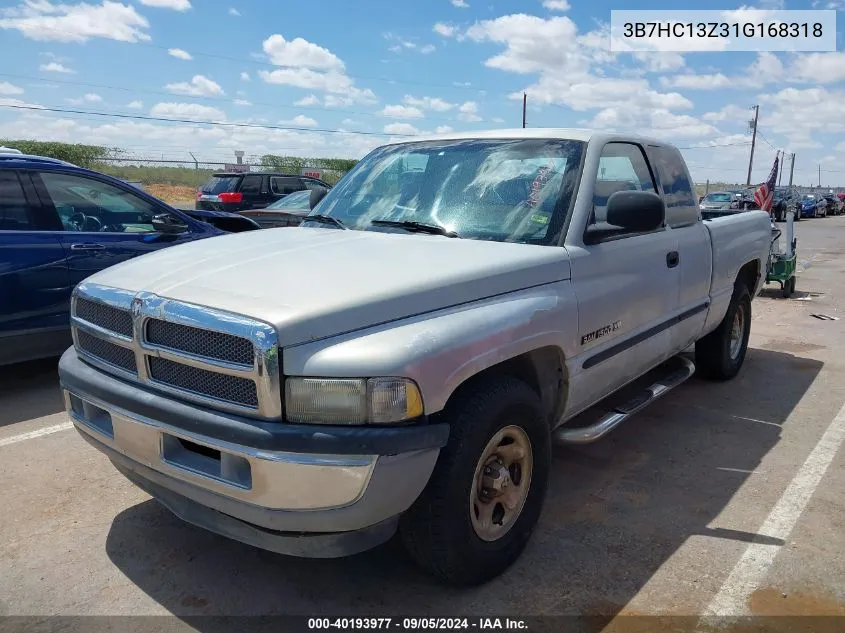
721	499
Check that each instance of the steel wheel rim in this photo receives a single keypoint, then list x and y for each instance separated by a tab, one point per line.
737	332
501	483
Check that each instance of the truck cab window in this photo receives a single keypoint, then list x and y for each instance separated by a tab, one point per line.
681	206
622	167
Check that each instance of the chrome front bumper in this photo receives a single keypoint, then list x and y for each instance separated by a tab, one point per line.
258	482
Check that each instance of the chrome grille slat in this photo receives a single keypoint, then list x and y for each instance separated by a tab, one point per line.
106	316
207	343
220	359
107	352
220	386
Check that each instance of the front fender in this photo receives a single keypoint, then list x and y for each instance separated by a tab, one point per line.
441	350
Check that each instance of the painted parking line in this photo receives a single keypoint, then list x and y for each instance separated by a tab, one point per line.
64	426
752	567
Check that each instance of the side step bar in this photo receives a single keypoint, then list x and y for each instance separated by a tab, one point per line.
588	434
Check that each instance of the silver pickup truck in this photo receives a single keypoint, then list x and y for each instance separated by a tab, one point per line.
408	356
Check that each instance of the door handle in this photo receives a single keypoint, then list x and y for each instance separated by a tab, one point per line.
672	259
86	247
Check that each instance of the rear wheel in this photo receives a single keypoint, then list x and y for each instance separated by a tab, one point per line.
720	354
484	497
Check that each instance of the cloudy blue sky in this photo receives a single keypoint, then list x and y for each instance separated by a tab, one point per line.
400	68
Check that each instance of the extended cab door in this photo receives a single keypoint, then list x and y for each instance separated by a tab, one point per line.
34	283
97	223
683	217
627	286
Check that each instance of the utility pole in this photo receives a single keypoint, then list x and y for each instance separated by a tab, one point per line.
820	175
524	106
753	124
707	187
792	169
782	161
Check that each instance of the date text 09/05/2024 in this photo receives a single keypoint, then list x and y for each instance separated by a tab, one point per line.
417	624
722	29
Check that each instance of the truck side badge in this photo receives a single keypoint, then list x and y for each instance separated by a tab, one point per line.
597	334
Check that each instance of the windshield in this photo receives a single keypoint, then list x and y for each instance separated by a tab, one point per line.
297	200
220	184
718	197
501	190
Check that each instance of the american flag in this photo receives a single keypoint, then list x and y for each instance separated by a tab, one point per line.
764	194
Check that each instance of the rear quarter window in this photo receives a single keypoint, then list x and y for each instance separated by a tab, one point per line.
681	206
220	184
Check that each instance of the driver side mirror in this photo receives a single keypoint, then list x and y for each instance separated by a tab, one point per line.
168	225
317	194
628	212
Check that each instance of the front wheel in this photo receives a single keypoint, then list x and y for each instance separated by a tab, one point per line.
720	354
484	497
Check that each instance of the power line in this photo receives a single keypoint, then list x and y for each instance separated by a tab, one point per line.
202	97
142	117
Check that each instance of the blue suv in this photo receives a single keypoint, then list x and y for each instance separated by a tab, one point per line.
59	224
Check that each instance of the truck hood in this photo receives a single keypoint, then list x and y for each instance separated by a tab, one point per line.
311	283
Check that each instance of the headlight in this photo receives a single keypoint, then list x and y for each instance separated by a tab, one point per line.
351	400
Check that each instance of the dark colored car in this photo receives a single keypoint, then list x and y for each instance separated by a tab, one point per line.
785	198
59	224
289	211
235	192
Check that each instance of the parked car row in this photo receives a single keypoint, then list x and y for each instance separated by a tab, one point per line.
785	198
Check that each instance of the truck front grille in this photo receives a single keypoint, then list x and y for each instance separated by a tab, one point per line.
185	338
108	352
219	359
105	316
206	383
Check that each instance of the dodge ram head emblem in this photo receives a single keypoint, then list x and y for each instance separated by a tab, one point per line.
136	307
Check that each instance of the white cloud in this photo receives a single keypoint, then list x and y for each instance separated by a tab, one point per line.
497	119
199	86
178	53
429	103
310	100
244	76
45	21
698	82
657	122
135	105
187	111
242	102
304	64
446	30
300	120
349	122
56	67
557	5
91	97
176	5
819	68
234	12
405	129
443	129
300	53
9	89
461	4
427	49
335	82
402	112
729	113
334	101
468	111
660	62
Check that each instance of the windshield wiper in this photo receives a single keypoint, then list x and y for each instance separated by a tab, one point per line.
418	227
324	219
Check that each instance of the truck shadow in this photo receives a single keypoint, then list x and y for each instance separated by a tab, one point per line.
616	511
29	390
